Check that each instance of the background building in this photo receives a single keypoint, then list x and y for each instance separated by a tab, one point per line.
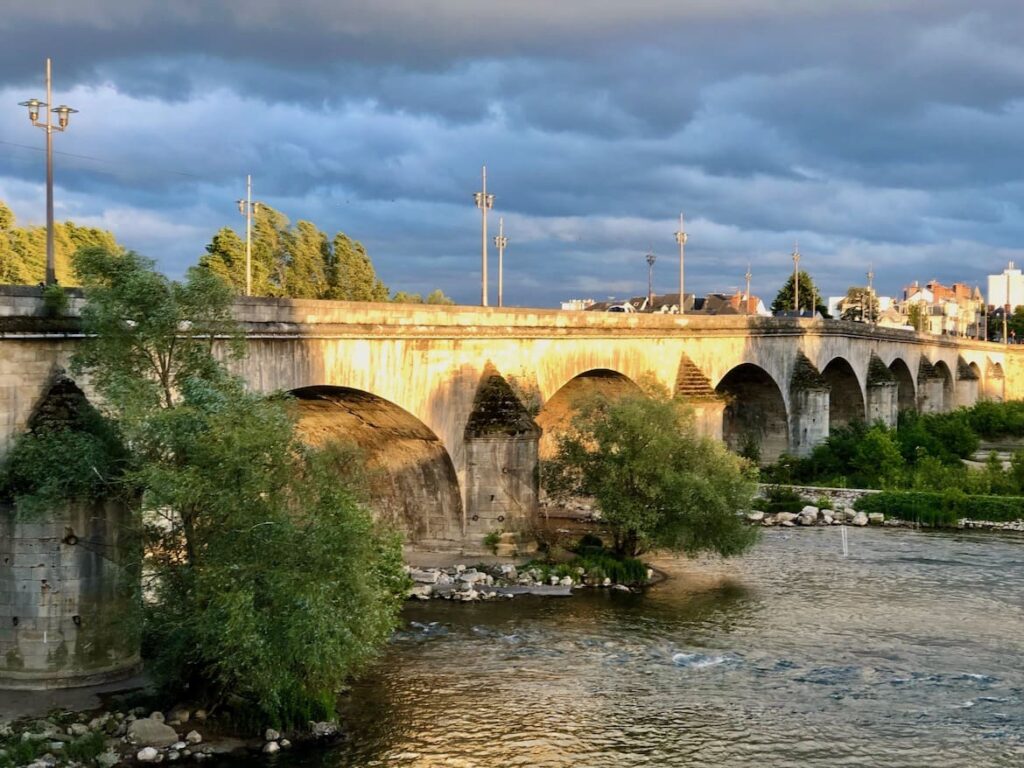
1007	288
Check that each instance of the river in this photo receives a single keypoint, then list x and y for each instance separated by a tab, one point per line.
906	653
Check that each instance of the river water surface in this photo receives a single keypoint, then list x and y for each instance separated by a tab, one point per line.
906	653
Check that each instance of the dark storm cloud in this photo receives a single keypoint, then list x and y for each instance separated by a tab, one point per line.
872	131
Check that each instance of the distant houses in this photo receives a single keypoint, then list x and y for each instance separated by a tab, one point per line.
668	304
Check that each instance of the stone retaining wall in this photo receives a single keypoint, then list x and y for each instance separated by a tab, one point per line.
839	498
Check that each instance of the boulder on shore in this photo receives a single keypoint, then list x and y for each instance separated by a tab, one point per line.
148	732
876	518
810	511
755	516
785	517
860	519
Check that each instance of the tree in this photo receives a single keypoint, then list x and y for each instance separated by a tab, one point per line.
270	583
656	482
1015	324
810	299
305	276
916	318
225	257
23	249
353	277
860	305
149	335
437	297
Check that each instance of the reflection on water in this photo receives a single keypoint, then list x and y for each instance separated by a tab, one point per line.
908	653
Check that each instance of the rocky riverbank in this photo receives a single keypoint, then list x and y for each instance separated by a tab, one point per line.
812	516
106	739
466	584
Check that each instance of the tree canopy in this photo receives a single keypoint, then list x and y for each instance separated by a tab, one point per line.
300	262
810	298
860	304
23	249
657	483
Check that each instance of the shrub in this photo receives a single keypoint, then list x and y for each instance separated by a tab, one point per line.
942	509
55	300
491	540
778	498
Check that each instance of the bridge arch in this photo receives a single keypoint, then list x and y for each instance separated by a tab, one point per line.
412	481
994	382
846	399
948	385
906	390
755	419
557	412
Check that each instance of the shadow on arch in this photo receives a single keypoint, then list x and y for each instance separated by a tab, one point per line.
413	485
755	422
557	413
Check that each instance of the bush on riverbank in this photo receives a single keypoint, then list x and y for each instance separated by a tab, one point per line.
942	508
925	452
657	483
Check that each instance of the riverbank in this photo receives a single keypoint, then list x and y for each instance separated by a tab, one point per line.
817	516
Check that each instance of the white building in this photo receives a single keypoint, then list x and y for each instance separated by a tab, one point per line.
1007	288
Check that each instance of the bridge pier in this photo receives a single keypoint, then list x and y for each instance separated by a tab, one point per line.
809	405
883	402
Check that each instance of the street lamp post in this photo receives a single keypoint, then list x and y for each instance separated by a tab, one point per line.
501	241
681	239
747	296
484	202
248	208
796	278
63	113
651	258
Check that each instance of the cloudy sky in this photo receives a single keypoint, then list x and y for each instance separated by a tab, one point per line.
884	132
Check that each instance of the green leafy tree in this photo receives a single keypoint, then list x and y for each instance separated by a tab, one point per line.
353	277
916	317
305	275
877	460
149	335
860	305
1015	324
657	483
810	299
270	582
23	249
225	257
437	297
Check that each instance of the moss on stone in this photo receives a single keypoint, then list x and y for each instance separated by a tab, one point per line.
806	377
497	410
878	372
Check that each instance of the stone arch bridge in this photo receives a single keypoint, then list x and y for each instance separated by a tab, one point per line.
453	405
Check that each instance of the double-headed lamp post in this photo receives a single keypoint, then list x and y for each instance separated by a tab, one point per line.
248	208
681	239
63	113
484	202
500	241
796	278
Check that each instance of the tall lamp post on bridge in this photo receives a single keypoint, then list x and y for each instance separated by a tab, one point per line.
871	295
484	202
796	278
63	113
501	241
248	208
746	296
681	239
651	258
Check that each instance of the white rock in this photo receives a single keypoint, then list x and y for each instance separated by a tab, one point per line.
179	745
806	519
826	513
158	716
788	523
621	587
424	576
147	755
755	516
173	755
828	520
193	738
460	568
876	518
607	582
108	759
151	733
78	729
785	517
860	518
554	581
200	715
271	748
271	735
566	581
285	744
809	510
472	576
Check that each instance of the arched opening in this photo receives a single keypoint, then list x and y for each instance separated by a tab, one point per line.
755	422
413	485
975	370
948	386
557	413
846	401
906	391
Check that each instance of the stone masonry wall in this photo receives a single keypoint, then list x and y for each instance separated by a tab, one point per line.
68	607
